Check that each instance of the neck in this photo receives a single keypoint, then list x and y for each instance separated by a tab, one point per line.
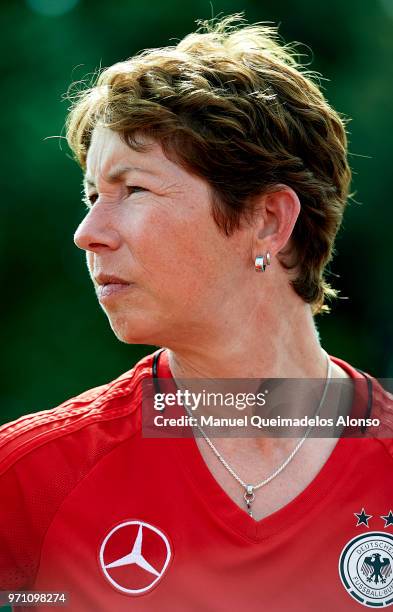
279	347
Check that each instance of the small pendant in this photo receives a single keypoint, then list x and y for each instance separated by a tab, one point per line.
249	497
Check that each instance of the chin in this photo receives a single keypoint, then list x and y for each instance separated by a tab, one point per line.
139	331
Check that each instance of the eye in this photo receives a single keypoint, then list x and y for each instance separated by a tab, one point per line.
89	199
134	189
93	197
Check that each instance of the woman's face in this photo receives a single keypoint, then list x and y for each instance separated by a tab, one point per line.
149	223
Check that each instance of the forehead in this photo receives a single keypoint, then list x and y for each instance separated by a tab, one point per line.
109	156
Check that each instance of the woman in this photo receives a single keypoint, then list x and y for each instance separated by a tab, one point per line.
216	178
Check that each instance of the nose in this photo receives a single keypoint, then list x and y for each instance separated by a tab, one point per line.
95	233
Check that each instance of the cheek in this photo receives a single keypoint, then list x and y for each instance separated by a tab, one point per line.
183	268
175	250
176	256
159	242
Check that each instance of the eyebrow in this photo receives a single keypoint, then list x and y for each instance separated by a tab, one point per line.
115	174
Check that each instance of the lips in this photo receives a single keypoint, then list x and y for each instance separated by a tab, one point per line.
109	279
110	289
109	285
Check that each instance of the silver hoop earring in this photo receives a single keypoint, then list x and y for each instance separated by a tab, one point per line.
260	265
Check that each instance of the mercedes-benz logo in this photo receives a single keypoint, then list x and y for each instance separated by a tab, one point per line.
134	556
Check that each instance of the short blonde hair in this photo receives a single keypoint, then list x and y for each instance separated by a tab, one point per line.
234	106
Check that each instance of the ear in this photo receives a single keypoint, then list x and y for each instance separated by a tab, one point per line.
275	218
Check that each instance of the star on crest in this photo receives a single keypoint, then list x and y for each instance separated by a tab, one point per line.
363	518
388	519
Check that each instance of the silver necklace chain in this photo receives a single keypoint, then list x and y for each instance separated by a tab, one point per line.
249	495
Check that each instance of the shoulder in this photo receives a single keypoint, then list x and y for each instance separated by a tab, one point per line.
372	400
93	410
45	455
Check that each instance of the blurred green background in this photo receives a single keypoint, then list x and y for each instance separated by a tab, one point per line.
56	339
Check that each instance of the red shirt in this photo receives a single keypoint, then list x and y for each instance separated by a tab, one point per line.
122	522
